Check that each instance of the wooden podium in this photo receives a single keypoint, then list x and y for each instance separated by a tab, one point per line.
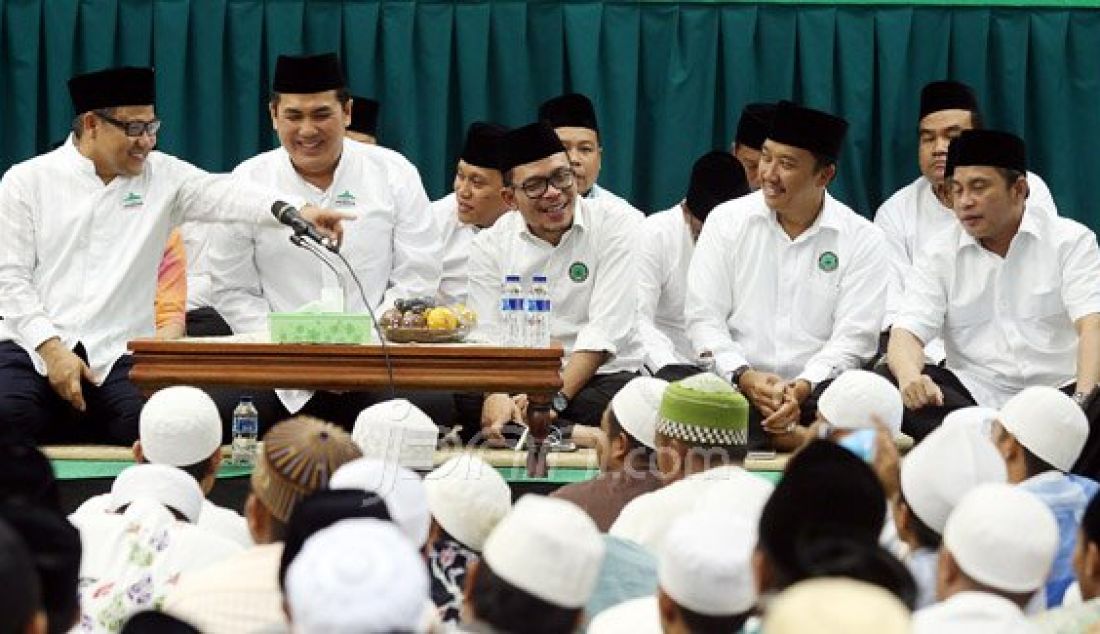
460	367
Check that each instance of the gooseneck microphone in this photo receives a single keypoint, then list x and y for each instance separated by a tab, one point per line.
291	217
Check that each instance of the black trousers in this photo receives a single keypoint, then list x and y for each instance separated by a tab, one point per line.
31	409
586	408
206	322
761	440
921	422
677	371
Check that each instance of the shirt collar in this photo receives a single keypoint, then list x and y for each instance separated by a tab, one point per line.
83	164
984	602
829	218
1029	224
580	219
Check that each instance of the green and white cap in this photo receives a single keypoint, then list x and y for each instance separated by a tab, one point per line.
704	410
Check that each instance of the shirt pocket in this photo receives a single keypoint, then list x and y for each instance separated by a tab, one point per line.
817	306
967	316
1044	304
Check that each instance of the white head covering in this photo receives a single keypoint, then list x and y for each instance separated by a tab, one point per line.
636	408
646	519
1048	423
179	426
636	616
468	498
161	483
706	565
397	431
856	396
1003	537
836	606
975	417
358	575
949	462
401	489
548	548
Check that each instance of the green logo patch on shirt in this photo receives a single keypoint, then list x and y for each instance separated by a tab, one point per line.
828	261
578	272
346	199
132	199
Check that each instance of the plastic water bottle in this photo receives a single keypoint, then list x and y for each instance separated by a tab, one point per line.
512	331
538	313
246	426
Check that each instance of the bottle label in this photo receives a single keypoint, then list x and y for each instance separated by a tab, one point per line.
246	425
538	305
511	303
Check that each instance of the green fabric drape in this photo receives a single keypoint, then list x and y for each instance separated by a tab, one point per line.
668	78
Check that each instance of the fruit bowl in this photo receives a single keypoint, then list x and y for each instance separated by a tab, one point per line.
425	335
422	320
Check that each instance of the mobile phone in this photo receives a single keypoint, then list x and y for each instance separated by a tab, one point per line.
760	455
861	442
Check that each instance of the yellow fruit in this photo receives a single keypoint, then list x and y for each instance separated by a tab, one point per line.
442	318
465	314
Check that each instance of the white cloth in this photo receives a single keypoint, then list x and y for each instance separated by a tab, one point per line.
757	298
393	244
595	313
160	483
665	248
131	561
79	259
215	519
358	575
455	237
239	594
397	431
1007	323
972	613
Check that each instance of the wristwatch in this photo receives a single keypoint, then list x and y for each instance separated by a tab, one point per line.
735	376
560	402
1080	398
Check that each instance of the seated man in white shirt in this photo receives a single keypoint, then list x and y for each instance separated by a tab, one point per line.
667	240
364	120
1013	289
82	232
998	546
573	118
786	287
914	214
475	205
752	130
393	246
585	248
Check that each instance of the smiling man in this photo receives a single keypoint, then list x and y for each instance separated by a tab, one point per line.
393	246
82	231
1013	290
917	212
586	249
785	287
475	204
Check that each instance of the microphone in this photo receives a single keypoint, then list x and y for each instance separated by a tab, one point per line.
289	216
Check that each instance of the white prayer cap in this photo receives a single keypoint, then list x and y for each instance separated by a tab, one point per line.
975	417
948	463
548	548
1003	537
834	605
636	408
856	396
179	426
397	431
705	565
646	519
401	489
358	575
636	616
468	498
1048	424
161	483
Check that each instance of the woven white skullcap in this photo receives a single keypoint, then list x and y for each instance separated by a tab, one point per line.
548	548
468	498
857	396
1047	423
636	616
401	489
705	565
637	408
179	426
397	431
160	483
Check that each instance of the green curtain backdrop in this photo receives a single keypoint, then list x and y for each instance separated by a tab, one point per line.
668	78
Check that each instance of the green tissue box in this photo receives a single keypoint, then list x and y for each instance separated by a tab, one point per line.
319	327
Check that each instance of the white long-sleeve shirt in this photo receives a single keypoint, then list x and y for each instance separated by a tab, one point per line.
972	613
1007	323
806	308
79	258
455	236
910	218
591	272
393	245
665	248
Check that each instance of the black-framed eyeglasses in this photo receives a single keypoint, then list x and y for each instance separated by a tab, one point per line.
131	128
561	179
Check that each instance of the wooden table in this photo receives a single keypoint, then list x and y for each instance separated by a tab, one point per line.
460	367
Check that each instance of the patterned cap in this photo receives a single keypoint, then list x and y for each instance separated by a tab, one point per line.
704	410
299	456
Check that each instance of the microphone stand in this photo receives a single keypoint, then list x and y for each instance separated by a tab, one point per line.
298	239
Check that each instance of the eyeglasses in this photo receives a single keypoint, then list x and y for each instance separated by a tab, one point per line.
536	187
131	128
